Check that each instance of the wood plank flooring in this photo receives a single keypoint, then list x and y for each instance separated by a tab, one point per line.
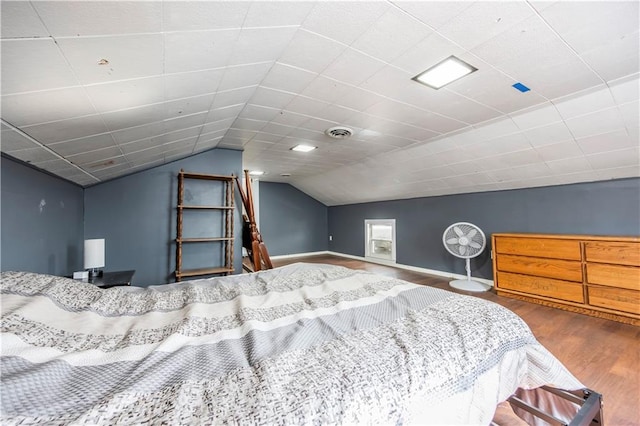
604	355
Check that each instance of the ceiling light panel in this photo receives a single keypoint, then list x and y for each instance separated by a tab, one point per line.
303	148
445	72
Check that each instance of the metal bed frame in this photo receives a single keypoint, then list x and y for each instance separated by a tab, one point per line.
589	413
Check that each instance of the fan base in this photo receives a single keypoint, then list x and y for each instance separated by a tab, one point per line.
469	285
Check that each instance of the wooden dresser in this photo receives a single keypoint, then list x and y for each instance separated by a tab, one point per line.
593	275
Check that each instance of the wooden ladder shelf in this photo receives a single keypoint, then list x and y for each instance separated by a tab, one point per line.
225	241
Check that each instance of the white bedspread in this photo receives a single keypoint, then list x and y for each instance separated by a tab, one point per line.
302	344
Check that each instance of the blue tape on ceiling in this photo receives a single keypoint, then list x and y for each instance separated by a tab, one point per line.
521	87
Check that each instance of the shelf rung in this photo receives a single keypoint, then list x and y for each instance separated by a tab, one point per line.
202	240
206	207
204	271
205	176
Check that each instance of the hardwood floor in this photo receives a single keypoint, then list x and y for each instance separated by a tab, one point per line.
604	355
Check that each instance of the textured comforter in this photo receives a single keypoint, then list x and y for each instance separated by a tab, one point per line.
301	344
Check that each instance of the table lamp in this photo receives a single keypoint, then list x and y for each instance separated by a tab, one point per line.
94	256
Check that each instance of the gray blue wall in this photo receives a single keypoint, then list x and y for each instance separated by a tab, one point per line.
601	208
41	219
291	221
136	216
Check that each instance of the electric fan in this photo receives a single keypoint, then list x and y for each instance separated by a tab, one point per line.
466	241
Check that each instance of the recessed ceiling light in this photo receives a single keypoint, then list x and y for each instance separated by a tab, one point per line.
444	73
303	148
256	172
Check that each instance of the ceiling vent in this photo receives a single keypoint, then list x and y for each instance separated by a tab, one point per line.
338	132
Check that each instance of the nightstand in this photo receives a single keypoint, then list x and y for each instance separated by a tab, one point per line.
113	279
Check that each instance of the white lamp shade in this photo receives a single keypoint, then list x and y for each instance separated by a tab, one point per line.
94	253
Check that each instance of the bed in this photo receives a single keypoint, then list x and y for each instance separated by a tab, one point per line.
299	344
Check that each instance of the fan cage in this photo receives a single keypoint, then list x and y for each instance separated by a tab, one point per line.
465	228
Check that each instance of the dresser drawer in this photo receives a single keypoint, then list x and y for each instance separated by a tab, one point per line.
615	298
539	247
620	253
613	275
557	289
568	270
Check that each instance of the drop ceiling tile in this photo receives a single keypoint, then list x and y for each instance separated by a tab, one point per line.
270	14
198	50
495	128
343	21
188	106
271	97
177	136
299	133
559	151
261	113
202	15
233	97
353	67
99	156
277	129
434	14
618	172
492	88
289	118
560	79
86	144
552	133
630	113
536	116
133	117
57	131
426	53
336	113
626	89
79	19
33	64
496	147
187	84
611	141
305	105
604	121
392	34
51	105
34	155
10	140
126	94
616	59
244	75
260	44
138	145
483	20
620	158
129	56
102	164
224	113
326	89
248	124
594	99
185	121
139	132
302	51
589	24
240	134
288	79
54	166
206	144
357	99
20	20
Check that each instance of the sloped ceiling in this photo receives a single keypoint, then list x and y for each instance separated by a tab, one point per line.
95	90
